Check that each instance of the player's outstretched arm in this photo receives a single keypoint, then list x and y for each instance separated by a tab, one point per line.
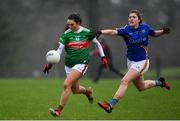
101	52
109	32
106	32
161	32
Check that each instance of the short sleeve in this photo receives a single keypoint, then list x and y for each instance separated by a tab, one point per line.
121	31
62	39
91	35
151	31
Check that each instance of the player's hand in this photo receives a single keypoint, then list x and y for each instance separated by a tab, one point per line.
46	68
97	33
104	61
166	30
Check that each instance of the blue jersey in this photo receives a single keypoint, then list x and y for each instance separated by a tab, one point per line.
136	41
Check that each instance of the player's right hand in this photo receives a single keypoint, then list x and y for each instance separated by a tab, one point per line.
46	68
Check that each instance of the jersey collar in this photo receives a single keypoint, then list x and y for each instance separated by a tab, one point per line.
79	30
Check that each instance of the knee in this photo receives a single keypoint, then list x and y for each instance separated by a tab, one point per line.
124	82
140	89
67	86
74	90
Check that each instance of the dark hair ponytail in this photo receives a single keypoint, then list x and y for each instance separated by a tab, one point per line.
66	28
74	17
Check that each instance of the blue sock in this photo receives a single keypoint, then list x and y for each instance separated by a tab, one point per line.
158	83
113	102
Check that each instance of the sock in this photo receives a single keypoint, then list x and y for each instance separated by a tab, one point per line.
158	83
86	92
113	102
59	109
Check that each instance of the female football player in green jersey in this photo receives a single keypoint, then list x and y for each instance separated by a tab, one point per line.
76	41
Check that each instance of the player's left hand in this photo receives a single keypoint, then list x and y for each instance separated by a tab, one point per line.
166	30
105	61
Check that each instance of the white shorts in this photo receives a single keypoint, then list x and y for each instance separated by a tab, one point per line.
140	66
79	67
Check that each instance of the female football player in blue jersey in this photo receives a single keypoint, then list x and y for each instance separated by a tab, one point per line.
135	35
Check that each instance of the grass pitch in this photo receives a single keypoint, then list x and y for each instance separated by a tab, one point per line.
30	99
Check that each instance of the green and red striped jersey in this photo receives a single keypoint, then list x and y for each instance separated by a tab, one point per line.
77	46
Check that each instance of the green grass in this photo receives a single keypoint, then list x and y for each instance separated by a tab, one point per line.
30	99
